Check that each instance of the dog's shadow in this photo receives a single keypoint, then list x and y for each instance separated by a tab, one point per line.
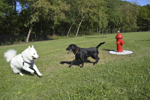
76	63
28	73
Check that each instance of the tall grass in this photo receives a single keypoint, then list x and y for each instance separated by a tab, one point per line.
115	77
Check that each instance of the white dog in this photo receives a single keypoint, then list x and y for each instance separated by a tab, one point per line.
24	61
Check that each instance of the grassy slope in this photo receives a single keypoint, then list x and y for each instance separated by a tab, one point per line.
114	77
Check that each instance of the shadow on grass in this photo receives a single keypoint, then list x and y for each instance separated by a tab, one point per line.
108	49
77	63
28	73
143	40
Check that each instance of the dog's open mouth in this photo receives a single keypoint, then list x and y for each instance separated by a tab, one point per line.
33	58
69	51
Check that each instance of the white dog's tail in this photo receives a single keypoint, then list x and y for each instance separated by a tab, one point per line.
9	55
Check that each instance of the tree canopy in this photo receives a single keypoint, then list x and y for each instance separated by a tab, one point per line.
42	18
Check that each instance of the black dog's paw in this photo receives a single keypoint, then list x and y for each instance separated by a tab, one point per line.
94	63
81	66
69	66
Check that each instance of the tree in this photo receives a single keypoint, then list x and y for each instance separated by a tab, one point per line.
114	16
40	18
98	15
5	9
92	9
72	15
36	9
9	17
129	14
57	12
144	18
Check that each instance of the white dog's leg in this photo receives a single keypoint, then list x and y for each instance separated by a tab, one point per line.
36	69
26	68
15	70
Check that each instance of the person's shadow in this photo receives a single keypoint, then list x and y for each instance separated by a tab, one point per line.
76	63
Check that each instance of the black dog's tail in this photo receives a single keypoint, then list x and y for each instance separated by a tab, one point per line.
100	44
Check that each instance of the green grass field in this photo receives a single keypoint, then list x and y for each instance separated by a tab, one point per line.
115	77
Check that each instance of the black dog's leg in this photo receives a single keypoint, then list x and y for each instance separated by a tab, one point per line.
96	58
82	63
72	62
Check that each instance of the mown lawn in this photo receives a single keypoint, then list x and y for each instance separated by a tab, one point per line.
115	77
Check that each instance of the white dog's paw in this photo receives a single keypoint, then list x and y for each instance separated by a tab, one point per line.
40	75
32	72
21	74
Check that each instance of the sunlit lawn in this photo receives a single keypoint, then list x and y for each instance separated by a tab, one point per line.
115	77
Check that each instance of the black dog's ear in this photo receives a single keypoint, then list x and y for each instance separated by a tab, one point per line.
73	46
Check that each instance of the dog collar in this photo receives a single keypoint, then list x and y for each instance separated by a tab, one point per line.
76	51
25	61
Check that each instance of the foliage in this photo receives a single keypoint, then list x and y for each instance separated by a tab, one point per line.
8	18
144	18
4	8
64	17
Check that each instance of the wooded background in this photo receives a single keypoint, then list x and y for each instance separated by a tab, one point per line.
42	19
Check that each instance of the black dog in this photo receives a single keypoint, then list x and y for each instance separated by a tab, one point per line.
84	53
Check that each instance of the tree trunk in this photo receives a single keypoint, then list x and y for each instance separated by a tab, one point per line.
119	29
80	25
53	31
41	31
28	36
114	29
99	30
70	27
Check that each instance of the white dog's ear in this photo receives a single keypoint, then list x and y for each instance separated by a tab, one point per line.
32	46
29	47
